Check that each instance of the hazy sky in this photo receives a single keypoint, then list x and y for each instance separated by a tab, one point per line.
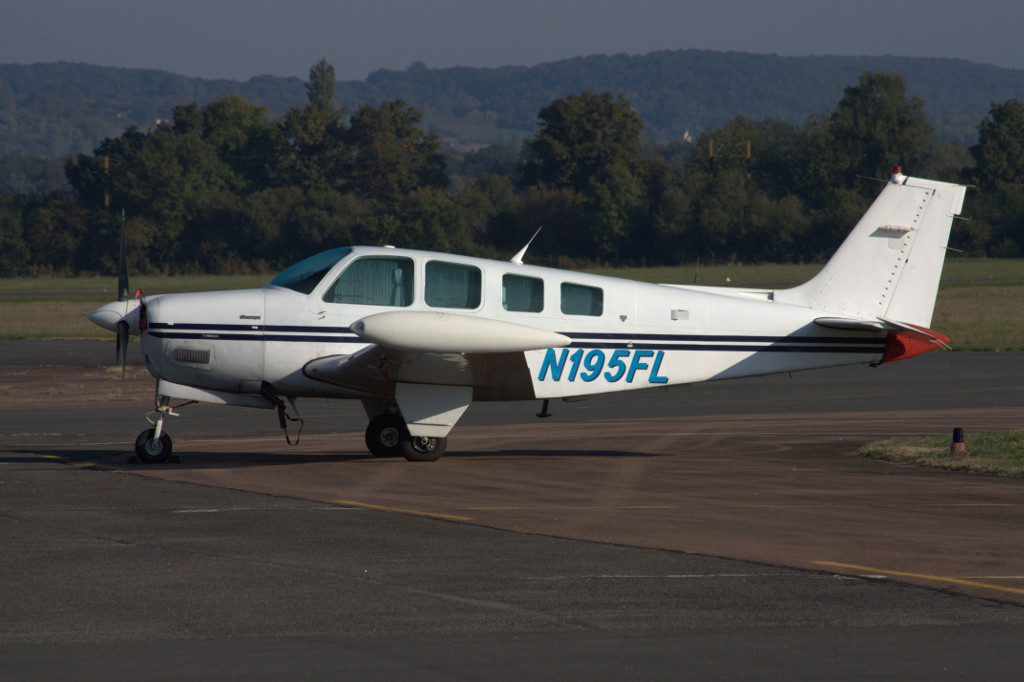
239	39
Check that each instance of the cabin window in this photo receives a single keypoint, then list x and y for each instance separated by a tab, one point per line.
450	285
374	280
580	300
522	294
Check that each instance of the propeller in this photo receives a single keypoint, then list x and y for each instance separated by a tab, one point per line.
121	316
122	345
122	266
122	295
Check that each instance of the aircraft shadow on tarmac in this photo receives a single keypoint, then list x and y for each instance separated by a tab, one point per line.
194	459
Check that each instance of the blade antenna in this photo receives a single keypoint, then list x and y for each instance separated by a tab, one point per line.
518	258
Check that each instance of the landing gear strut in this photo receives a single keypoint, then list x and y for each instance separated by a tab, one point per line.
153	446
388	436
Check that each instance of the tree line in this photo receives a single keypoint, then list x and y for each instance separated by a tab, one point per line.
50	110
225	188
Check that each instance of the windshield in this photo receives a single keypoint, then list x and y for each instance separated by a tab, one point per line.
305	275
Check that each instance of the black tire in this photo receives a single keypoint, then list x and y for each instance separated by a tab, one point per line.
152	451
423	449
384	435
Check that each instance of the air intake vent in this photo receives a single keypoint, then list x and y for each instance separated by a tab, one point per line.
192	356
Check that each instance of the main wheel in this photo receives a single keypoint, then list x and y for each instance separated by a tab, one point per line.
384	435
152	450
423	449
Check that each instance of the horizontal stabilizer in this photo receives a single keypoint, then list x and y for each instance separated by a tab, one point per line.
434	332
849	324
913	331
903	340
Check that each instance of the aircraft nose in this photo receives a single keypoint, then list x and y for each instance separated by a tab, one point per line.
107	316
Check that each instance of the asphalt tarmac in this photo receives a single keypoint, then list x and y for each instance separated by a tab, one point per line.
724	530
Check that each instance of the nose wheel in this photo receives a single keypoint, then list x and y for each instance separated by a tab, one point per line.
152	448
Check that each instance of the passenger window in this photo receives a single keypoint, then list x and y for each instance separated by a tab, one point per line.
449	285
374	280
522	294
580	300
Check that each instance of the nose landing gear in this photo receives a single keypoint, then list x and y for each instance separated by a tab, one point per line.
153	446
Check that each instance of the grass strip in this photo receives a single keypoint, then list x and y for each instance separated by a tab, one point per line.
997	454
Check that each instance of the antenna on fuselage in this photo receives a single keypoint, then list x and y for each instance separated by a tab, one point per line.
518	258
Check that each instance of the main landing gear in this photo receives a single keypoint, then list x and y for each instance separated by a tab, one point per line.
388	436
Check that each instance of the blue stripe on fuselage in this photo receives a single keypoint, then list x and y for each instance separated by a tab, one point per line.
673	342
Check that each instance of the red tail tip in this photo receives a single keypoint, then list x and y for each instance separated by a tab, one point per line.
904	344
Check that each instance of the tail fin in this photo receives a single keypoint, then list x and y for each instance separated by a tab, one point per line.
889	266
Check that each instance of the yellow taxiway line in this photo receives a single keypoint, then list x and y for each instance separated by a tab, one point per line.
415	512
923	576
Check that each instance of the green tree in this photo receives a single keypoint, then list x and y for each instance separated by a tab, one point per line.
559	211
875	127
13	252
589	145
166	174
242	135
999	154
320	88
579	138
999	173
431	219
311	150
390	155
56	235
485	198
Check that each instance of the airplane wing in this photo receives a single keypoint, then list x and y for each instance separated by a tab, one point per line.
434	332
433	363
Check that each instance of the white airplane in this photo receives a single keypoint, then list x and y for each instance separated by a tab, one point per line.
418	335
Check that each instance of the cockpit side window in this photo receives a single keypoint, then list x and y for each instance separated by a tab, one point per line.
306	274
374	280
452	285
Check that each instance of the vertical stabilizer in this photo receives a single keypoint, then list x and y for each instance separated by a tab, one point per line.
889	266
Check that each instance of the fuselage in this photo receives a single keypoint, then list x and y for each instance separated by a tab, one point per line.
624	334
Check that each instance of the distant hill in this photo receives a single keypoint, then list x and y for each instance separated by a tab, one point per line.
50	110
